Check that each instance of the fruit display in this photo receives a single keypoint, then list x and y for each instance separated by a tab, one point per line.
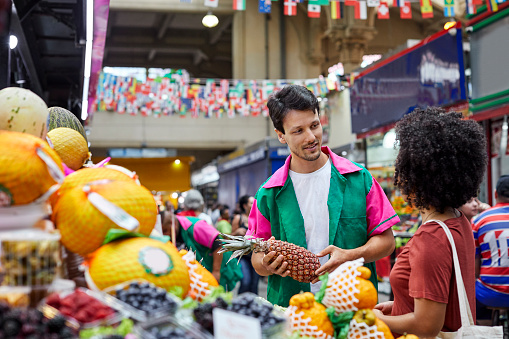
85	176
81	306
169	328
29	257
139	258
84	214
23	111
60	117
302	263
29	168
309	316
31	323
151	300
71	146
202	281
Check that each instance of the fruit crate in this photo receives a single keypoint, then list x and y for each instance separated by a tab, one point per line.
127	294
119	312
30	257
170	327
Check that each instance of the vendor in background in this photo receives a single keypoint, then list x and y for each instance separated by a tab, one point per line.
249	282
430	172
193	206
198	236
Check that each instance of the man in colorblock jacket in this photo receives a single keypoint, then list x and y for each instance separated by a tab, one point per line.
317	200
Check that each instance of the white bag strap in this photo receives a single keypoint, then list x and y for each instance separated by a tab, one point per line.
466	314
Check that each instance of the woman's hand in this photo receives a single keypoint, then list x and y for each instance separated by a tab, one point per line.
384	308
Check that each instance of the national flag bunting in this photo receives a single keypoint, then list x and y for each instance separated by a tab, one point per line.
471	9
373	3
449	8
319	2
426	9
264	6
492	5
314	11
477	2
211	3
290	7
361	10
399	3
239	5
405	11
336	10
383	11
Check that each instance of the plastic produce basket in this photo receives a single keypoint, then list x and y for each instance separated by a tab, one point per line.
30	257
119	311
137	313
166	324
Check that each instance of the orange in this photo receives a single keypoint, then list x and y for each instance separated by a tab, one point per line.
201	279
367	295
305	303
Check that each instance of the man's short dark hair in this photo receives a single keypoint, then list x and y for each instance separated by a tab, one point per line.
503	186
291	97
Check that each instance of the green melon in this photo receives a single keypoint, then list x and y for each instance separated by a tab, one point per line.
60	117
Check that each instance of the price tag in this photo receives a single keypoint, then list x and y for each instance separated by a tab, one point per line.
113	212
230	325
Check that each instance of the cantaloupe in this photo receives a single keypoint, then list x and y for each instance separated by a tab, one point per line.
23	111
83	226
60	117
28	168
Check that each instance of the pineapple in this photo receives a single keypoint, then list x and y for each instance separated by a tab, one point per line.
302	264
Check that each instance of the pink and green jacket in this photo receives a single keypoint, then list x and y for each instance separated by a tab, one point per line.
358	210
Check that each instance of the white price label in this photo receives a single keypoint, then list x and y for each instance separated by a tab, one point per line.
230	325
113	212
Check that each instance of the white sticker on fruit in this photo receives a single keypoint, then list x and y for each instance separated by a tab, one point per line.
155	261
230	325
113	212
55	171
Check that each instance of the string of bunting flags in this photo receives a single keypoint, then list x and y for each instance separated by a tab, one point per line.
360	7
177	93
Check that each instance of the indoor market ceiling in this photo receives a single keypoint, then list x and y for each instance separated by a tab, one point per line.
169	40
50	51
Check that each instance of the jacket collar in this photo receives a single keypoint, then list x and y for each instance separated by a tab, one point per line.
343	166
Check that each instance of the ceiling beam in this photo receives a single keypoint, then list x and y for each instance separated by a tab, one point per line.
225	6
214	38
167	21
26	55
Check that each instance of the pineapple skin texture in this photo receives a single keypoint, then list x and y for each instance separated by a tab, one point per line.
302	264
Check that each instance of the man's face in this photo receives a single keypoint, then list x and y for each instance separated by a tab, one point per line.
303	134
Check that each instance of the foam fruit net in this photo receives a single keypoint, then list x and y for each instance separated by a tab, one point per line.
363	331
342	287
299	322
197	287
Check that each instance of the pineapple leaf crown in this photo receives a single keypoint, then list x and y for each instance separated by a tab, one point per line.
239	245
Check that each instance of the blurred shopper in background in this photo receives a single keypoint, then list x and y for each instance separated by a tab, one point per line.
249	282
491	234
473	207
431	170
223	225
193	206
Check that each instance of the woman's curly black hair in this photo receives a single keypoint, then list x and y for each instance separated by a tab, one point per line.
441	160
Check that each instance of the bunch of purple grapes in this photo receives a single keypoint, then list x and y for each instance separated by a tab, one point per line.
146	297
203	313
246	304
31	324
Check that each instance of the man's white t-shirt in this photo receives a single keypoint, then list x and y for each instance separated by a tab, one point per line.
312	191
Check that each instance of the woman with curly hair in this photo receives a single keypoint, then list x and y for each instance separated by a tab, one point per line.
439	167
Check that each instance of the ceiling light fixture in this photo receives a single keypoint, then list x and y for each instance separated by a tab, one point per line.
210	20
449	24
13	42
